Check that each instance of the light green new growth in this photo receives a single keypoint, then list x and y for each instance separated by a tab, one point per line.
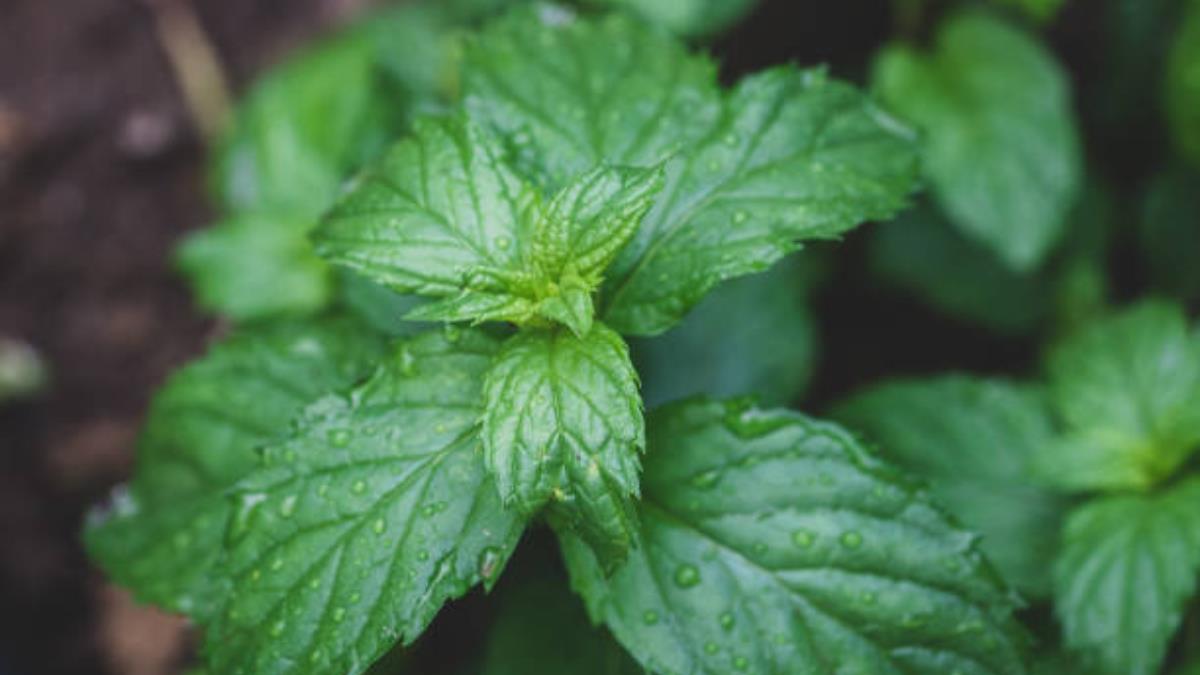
1128	391
562	424
443	215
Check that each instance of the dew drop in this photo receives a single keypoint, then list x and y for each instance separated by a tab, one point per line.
276	564
503	243
422	555
740	217
741	663
339	613
851	539
340	438
408	362
181	540
316	656
803	538
451	333
359	487
277	628
378	526
650	617
687	576
759	548
726	620
314	584
489	563
711	648
868	598
288	506
239	524
706	479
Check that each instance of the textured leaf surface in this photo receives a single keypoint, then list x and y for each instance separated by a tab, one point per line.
974	441
787	155
1183	83
162	537
1128	390
375	512
257	265
774	543
754	336
1001	146
688	17
443	215
541	629
1125	575
439	206
563	423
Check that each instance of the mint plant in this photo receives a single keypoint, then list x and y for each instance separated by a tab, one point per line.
498	269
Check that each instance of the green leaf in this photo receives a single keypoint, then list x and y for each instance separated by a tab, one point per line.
443	215
366	520
1039	10
1170	231
775	543
256	265
1128	391
1125	575
752	336
688	17
1183	83
1001	144
541	629
162	535
787	155
974	441
922	253
303	127
563	424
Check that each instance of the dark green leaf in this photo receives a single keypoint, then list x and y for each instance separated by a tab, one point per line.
1183	83
922	253
163	535
1128	390
787	155
1170	231
541	629
1126	572
774	543
359	527
752	336
563	424
974	441
1001	146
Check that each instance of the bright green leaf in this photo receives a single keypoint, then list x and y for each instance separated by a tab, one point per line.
1183	83
974	441
256	265
1128	390
541	629
163	535
443	215
359	527
1125	575
774	543
785	156
1001	146
303	127
752	336
687	17
563	424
